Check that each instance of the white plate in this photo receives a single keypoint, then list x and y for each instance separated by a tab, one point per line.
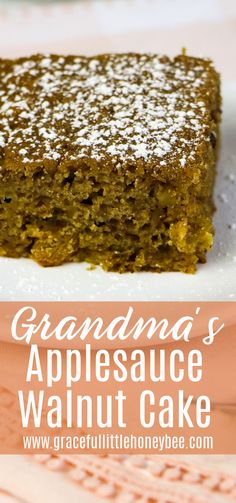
23	279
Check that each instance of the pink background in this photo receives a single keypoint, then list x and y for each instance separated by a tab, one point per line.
204	27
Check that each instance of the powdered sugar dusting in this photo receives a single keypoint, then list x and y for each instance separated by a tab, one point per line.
126	107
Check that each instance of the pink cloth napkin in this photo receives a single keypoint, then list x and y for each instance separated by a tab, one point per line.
112	478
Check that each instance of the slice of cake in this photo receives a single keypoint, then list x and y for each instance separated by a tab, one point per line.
109	159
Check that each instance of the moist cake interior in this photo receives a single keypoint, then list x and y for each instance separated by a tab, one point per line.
109	159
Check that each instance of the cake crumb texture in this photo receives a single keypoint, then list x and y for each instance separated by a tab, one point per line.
109	159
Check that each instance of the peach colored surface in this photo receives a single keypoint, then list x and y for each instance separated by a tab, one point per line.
219	386
123	318
118	479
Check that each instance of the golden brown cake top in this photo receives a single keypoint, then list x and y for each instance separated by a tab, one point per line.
123	107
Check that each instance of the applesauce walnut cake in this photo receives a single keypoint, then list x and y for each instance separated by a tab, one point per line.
109	159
